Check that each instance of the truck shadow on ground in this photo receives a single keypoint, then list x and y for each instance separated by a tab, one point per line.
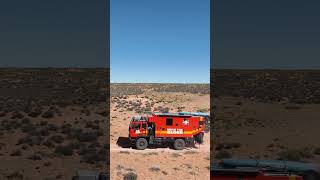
124	142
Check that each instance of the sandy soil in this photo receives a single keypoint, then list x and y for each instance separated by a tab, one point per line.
266	114
51	123
267	130
162	162
47	162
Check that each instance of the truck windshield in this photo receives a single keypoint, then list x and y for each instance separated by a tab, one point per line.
135	126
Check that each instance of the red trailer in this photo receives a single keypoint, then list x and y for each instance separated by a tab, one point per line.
166	128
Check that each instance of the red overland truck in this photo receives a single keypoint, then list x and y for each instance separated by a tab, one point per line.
166	129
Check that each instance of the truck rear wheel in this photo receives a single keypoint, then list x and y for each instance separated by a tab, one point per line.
141	143
179	144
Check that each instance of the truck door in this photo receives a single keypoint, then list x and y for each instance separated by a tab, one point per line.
138	129
144	129
135	129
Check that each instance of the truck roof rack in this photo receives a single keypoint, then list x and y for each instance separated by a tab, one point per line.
171	114
195	114
139	118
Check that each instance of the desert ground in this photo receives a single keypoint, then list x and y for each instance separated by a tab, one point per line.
161	162
52	122
266	114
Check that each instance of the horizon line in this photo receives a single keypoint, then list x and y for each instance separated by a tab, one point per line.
272	69
50	67
88	67
158	83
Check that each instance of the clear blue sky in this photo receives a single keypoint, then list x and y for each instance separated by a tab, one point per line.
160	41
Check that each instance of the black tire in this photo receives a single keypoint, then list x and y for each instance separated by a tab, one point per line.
179	144
141	143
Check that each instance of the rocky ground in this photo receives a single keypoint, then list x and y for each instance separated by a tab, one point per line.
52	122
266	114
162	162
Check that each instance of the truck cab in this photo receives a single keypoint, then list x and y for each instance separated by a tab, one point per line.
138	128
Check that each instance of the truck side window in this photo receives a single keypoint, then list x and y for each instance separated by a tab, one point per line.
169	122
144	126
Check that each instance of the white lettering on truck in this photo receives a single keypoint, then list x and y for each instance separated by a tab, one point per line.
174	131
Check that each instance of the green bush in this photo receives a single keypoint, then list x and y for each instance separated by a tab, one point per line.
64	150
295	154
223	154
130	176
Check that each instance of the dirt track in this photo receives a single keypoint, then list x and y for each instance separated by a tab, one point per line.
198	148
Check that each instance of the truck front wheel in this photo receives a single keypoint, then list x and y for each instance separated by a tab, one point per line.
179	144
141	143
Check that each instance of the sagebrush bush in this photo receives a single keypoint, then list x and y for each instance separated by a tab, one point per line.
64	150
130	176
